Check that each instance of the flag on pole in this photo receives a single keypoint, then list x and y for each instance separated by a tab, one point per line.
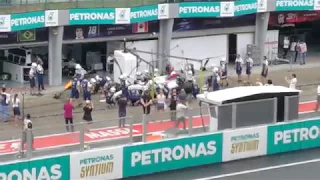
142	27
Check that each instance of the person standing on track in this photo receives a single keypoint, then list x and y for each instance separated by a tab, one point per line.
75	90
122	110
146	102
16	109
32	78
40	74
292	82
173	104
87	111
238	67
86	87
181	114
68	115
318	99
5	100
249	65
264	72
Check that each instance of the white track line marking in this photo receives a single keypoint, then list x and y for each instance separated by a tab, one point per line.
260	169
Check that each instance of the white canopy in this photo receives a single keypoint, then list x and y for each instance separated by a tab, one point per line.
218	97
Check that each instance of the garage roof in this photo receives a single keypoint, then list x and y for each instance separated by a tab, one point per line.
219	97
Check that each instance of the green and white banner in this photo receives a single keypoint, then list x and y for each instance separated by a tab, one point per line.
298	5
53	168
172	154
293	136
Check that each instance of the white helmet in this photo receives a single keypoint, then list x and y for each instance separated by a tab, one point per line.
93	80
78	66
223	59
138	73
156	70
113	89
108	78
215	69
34	65
146	71
190	72
173	73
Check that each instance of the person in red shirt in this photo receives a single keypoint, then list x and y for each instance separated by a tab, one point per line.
68	115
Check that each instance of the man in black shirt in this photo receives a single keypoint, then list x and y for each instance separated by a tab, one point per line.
146	101
122	102
173	104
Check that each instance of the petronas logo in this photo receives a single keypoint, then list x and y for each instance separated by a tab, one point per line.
162	10
50	16
227	7
261	3
2	21
122	14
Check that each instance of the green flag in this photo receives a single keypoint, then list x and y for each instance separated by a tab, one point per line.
27	35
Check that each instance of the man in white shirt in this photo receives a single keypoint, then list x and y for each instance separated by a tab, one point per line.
318	98
292	82
181	114
286	44
110	61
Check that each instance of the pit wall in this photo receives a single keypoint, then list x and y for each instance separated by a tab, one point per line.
141	159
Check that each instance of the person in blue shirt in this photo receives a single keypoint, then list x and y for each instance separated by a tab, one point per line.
249	65
4	104
40	74
224	72
238	67
75	90
264	72
86	88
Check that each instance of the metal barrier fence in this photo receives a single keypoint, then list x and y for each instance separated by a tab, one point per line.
55	139
18	6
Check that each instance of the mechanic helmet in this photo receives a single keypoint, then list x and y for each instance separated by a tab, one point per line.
113	89
78	66
173	73
34	65
215	69
223	59
156	70
190	72
108	78
138	73
93	80
121	77
146	71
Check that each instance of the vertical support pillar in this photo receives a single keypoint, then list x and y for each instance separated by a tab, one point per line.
164	41
55	55
262	21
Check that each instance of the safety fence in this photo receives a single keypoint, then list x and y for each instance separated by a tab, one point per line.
52	139
170	154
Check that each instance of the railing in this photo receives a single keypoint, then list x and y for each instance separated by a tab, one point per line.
18	6
57	139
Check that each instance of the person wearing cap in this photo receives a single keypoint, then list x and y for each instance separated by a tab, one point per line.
238	67
249	65
32	78
40	74
87	110
264	72
224	72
